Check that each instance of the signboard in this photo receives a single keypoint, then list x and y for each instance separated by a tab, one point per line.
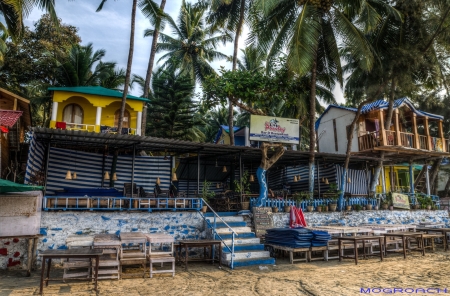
274	129
262	216
400	201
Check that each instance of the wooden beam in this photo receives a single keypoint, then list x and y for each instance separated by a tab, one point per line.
15	104
426	127
416	134
335	135
383	132
398	140
441	135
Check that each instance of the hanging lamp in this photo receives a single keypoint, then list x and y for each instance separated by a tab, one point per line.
349	180
224	170
218	185
114	177
106	176
299	178
158	181
295	179
68	175
174	176
74	176
323	180
252	178
326	181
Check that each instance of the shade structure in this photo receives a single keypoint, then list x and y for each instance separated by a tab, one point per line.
8	186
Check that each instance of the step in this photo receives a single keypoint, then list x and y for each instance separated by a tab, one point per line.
242	235
245	248
236	229
243	241
221	214
231	224
246	255
226	219
250	262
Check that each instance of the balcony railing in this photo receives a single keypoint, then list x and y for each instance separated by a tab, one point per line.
407	140
80	127
368	141
390	138
423	142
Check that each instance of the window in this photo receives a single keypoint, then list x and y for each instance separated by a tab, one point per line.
126	118
73	113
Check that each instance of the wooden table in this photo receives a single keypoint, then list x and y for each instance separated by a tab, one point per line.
363	239
404	235
111	246
66	254
186	244
32	248
444	231
137	254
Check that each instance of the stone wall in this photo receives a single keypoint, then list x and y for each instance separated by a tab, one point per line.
56	226
366	217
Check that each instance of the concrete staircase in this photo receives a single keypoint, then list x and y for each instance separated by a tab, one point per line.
248	249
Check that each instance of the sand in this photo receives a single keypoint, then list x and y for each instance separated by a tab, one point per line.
315	278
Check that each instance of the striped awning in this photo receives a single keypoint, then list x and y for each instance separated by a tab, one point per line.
9	117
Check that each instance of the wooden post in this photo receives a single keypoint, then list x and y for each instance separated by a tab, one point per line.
427	133
416	134
383	132
441	135
397	129
15	104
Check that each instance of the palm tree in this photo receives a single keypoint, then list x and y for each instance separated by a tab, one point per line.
156	17
253	60
129	62
115	79
14	12
230	15
310	30
193	46
78	70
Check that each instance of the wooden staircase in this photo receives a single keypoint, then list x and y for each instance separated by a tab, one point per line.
420	182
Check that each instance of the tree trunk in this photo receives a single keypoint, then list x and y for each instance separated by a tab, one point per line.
312	130
151	62
245	107
387	126
266	163
434	173
447	188
128	73
235	53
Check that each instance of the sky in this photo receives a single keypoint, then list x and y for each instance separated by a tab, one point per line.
109	29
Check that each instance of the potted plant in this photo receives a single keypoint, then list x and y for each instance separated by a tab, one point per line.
274	209
319	209
358	207
324	208
310	206
243	187
369	203
287	209
333	194
206	194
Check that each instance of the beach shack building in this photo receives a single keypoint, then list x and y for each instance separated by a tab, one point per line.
413	136
95	109
15	119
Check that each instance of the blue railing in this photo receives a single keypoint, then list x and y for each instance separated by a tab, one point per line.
103	203
217	235
352	201
280	204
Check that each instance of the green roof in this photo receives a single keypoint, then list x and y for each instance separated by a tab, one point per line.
8	186
97	90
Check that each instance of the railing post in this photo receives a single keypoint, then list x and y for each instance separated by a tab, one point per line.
232	251
382	130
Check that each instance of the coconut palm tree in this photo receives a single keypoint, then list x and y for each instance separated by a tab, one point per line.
230	14
193	45
310	31
15	11
79	69
156	17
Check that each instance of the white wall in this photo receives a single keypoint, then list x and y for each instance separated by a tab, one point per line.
325	131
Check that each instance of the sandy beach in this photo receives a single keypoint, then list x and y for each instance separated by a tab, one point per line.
316	278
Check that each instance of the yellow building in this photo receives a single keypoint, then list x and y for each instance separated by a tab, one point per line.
95	109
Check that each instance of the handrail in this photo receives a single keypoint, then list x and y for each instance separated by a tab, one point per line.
233	233
215	214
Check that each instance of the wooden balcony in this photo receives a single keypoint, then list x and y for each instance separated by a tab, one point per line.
403	141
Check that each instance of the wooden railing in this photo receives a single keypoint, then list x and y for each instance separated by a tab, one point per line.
368	141
407	140
423	142
390	138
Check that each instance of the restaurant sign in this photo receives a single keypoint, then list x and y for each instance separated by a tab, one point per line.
400	201
274	129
